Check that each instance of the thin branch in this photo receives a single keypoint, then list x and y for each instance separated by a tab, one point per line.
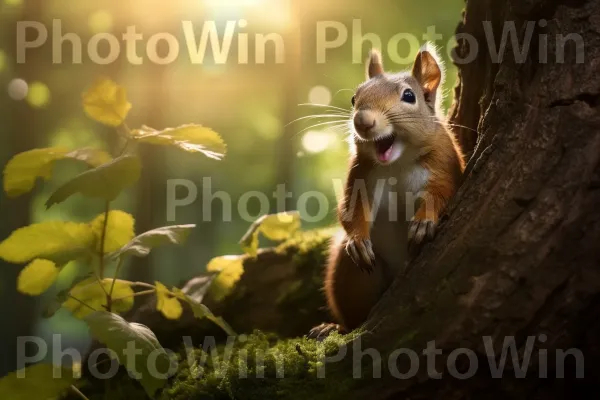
143	284
103	237
138	294
112	286
82	303
78	392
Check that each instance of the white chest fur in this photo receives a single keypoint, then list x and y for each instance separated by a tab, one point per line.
394	190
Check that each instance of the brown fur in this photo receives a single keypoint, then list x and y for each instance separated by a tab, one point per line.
445	163
351	293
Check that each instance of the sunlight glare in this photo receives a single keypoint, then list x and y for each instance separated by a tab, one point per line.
100	22
319	95
316	141
232	3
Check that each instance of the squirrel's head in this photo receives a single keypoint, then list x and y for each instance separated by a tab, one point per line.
392	111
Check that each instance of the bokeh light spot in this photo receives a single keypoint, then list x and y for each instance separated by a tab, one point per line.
39	95
319	95
17	89
100	22
13	2
316	141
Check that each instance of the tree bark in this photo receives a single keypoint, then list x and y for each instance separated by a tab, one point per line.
518	254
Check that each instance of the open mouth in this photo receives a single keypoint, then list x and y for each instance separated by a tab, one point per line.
383	148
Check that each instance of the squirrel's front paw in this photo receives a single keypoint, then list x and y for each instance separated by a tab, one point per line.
420	230
361	252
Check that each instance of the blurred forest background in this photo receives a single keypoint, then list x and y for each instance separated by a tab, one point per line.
250	105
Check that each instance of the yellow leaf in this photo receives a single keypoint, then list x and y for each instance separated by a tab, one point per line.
119	230
54	240
230	269
91	293
39	381
168	305
190	138
201	311
23	169
37	277
280	226
276	227
249	244
106	102
94	157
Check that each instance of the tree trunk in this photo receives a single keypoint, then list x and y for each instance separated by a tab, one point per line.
518	255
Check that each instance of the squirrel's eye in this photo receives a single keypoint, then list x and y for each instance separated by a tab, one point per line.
409	97
353	100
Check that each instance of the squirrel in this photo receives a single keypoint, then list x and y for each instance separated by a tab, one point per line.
401	151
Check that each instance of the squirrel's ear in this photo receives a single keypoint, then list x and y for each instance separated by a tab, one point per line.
374	64
428	70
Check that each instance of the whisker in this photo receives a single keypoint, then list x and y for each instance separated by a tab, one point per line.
400	120
460	126
323	124
343	90
316	116
324	105
339	124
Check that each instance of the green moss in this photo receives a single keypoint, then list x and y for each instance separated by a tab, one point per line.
260	367
308	251
307	242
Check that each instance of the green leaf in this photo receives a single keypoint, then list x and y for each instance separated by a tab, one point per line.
190	138
116	333
37	277
106	102
58	241
168	305
142	245
105	182
119	230
277	227
91	293
24	169
36	383
201	311
230	270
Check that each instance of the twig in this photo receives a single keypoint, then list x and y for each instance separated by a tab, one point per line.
112	286
142	284
143	293
82	303
78	392
103	237
102	247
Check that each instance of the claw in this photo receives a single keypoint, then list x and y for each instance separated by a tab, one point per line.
420	231
361	252
322	331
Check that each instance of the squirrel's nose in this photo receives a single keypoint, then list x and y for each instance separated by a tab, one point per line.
364	121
